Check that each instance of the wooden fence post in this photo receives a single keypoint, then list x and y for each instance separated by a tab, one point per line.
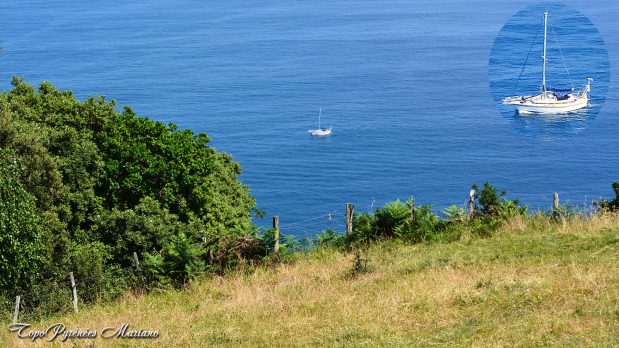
276	233
16	312
137	261
471	203
350	211
74	288
555	204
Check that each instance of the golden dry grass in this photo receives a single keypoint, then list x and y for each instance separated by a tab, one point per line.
534	282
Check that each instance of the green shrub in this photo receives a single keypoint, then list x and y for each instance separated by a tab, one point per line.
20	235
490	203
360	263
330	238
391	218
179	261
364	229
288	244
96	276
612	205
454	214
145	228
396	219
565	210
488	199
510	208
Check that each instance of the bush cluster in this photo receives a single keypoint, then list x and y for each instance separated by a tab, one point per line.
410	223
84	185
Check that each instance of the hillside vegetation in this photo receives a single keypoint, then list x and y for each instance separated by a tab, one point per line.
84	186
534	281
156	229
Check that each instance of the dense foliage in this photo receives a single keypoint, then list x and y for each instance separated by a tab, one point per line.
83	186
21	235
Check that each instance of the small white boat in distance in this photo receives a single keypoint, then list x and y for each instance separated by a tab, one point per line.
550	101
320	131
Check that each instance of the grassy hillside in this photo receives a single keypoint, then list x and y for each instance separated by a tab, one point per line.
533	282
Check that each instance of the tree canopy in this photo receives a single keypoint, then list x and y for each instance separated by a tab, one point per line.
83	178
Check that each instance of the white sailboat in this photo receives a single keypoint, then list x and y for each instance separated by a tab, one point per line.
320	131
550	101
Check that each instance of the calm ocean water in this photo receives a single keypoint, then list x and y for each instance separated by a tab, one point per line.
405	85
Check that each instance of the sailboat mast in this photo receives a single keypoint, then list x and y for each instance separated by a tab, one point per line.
544	57
319	113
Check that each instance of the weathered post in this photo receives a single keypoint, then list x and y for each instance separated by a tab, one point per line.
555	204
137	261
471	203
74	288
276	233
16	312
350	210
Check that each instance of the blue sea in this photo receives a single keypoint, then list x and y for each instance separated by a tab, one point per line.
411	88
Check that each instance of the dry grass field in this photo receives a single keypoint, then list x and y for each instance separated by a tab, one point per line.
533	282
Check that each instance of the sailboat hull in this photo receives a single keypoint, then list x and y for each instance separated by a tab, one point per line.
320	132
551	106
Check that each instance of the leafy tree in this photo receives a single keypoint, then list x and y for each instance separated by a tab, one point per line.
145	228
20	235
177	168
93	157
97	184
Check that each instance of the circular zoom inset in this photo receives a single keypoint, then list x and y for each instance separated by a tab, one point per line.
549	71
